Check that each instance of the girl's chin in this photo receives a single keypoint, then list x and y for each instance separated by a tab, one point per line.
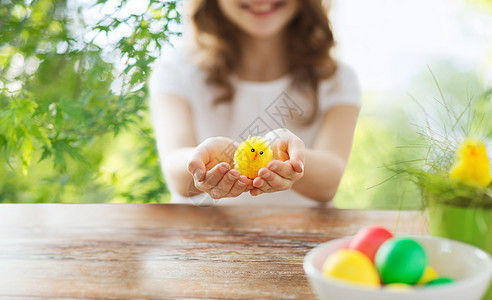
264	33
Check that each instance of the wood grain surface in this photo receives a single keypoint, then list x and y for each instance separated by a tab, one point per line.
165	251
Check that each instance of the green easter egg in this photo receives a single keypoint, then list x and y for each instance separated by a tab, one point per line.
439	281
401	260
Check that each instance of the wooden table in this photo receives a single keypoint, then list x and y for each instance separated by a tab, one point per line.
150	251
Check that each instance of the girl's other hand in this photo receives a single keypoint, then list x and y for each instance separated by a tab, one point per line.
210	166
287	165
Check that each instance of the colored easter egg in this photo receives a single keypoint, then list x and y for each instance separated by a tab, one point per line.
429	275
401	260
351	266
368	240
439	281
398	287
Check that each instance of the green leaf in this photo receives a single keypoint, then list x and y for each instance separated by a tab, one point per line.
66	104
3	141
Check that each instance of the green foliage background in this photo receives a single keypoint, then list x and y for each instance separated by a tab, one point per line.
73	126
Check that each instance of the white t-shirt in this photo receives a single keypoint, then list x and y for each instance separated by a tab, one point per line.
257	107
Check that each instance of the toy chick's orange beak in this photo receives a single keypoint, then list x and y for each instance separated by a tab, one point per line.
473	151
256	155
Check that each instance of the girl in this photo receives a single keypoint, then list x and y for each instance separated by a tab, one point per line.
257	67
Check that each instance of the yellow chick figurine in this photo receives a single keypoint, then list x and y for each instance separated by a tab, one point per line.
252	155
472	165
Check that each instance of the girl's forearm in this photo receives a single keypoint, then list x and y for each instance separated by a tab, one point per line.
322	174
176	172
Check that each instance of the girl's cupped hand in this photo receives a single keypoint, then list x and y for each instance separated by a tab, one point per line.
210	166
287	165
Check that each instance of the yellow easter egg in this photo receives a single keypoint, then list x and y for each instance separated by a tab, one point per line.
351	266
429	275
252	155
398	287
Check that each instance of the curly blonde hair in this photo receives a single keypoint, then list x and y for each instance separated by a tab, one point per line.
309	40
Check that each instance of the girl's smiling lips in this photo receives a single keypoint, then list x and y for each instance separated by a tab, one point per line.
262	8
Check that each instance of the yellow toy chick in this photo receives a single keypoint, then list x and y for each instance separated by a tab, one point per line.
252	155
472	165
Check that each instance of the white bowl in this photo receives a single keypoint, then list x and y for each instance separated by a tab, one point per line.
470	267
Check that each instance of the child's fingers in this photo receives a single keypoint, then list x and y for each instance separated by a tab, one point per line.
255	192
263	185
282	168
297	154
225	185
196	165
213	177
297	165
247	181
258	182
237	189
273	181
